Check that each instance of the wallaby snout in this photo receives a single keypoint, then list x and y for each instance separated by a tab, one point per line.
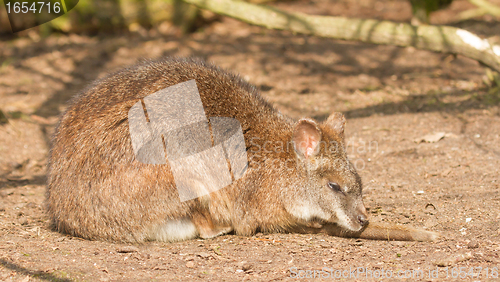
362	216
356	220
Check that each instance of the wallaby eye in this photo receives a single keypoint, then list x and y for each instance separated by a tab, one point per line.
334	186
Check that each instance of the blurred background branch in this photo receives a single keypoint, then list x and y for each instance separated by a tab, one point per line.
93	16
444	39
96	16
483	8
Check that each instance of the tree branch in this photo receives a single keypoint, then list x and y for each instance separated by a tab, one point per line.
486	6
443	39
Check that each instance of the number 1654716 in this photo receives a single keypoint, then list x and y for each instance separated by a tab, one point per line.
32	7
463	272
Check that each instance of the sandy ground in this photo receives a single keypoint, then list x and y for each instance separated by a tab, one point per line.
392	97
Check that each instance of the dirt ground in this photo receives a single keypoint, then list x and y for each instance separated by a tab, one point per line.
392	97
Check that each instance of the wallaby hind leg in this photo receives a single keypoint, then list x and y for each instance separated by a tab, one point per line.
380	231
206	228
373	231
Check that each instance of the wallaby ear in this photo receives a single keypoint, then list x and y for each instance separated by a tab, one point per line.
336	121
306	138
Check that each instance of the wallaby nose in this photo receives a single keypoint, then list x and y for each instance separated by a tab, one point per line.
362	219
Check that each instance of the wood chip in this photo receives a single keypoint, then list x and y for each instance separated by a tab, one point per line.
127	249
452	259
431	138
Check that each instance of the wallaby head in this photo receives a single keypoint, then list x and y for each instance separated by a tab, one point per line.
330	190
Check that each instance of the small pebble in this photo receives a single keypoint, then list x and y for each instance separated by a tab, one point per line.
204	255
23	221
246	267
473	245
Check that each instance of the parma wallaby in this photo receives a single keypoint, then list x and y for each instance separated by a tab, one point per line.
298	178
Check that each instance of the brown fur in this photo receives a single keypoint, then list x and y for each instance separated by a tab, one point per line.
98	190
